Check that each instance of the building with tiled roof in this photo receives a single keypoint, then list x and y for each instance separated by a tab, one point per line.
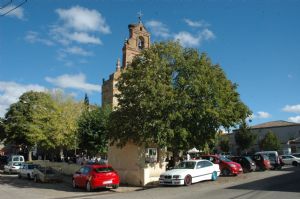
287	132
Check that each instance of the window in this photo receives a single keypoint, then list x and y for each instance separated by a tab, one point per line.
141	43
151	155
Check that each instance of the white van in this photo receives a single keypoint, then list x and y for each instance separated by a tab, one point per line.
16	158
273	157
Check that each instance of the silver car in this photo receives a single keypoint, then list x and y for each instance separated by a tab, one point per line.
26	170
12	167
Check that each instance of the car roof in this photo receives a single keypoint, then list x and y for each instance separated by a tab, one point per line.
98	165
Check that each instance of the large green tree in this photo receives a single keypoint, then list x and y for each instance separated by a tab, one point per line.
48	121
174	97
30	121
244	137
67	117
92	130
270	142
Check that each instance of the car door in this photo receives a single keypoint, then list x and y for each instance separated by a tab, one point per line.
289	159
23	169
202	170
79	177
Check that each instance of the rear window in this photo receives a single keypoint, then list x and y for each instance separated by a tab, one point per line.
225	159
103	169
32	166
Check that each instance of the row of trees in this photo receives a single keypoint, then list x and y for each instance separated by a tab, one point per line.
54	122
169	96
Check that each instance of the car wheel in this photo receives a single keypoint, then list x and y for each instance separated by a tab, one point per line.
214	176
28	176
295	164
74	184
88	186
115	186
226	172
187	180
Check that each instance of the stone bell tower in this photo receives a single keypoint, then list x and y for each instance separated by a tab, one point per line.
139	39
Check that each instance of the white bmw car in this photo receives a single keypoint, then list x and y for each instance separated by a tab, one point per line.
190	171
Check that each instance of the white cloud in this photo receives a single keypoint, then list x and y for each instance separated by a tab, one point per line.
75	50
74	81
292	108
11	91
11	12
294	119
83	19
82	37
33	37
189	40
263	115
260	115
78	25
158	28
207	34
196	24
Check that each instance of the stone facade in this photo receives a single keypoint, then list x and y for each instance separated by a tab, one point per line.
137	165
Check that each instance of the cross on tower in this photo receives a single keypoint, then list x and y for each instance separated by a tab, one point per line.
140	14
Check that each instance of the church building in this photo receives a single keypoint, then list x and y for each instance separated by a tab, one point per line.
136	165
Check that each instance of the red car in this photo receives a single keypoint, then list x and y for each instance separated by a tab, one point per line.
96	176
227	166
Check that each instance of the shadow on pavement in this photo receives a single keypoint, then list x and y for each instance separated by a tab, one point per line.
288	182
65	185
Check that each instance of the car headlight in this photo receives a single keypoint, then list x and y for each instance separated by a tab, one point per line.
176	176
232	165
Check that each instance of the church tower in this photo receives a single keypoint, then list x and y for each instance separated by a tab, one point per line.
139	39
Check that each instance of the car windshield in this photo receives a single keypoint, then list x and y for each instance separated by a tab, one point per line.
225	159
103	169
186	165
272	156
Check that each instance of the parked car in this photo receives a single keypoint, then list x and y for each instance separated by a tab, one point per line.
12	167
190	171
46	174
262	162
96	176
273	157
246	162
227	166
26	170
290	159
296	155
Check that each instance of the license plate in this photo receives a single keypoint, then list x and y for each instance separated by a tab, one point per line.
107	182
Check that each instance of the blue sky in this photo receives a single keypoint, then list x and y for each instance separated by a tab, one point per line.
73	45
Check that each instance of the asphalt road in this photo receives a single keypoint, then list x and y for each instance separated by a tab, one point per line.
283	184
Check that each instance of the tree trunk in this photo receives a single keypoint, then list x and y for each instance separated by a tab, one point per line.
30	155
